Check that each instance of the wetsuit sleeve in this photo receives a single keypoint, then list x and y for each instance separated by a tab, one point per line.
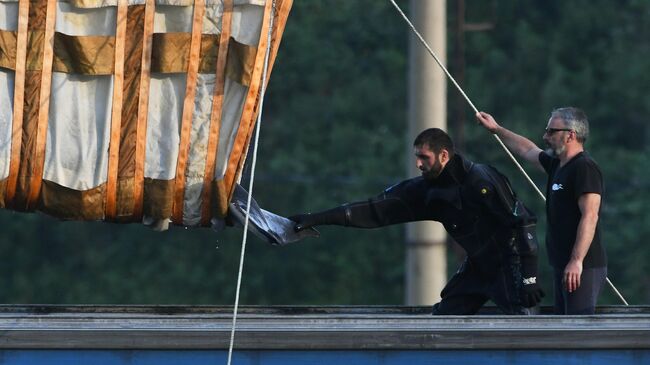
400	203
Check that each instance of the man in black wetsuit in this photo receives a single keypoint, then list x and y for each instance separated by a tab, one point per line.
477	207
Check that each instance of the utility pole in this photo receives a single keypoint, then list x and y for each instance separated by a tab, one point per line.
459	60
426	252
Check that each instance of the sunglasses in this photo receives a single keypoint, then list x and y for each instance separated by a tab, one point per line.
551	131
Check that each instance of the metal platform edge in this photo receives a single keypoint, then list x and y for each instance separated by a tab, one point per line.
314	328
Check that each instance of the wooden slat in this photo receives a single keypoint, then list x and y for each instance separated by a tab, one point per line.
129	120
116	113
44	106
215	115
143	106
188	108
247	120
19	99
279	23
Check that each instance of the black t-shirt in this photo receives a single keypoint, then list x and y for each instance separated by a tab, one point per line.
565	186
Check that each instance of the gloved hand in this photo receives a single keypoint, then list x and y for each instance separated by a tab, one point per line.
303	221
531	293
334	216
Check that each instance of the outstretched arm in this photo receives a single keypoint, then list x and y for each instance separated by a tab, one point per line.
378	212
399	203
520	145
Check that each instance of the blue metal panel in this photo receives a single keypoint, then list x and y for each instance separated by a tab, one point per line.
446	357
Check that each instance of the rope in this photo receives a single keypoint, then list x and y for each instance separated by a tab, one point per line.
464	95
521	169
616	291
250	184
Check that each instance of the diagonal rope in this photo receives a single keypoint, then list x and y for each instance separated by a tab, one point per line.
521	169
250	184
465	96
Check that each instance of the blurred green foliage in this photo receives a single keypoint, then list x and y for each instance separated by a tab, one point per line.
334	131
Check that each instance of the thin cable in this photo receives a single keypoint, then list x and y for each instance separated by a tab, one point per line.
530	181
616	291
424	43
521	169
250	184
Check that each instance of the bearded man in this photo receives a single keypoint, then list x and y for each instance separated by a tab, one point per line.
573	200
477	207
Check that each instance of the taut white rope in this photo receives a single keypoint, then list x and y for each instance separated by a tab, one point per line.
464	95
250	184
424	43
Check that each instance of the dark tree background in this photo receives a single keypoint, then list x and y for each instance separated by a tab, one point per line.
334	131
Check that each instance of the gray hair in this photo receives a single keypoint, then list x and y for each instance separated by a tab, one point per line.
575	119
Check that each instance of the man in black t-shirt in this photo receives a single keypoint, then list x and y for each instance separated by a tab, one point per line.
573	192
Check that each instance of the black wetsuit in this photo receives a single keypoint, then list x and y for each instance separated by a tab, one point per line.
478	208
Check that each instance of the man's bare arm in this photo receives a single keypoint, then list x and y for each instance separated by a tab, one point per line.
589	205
520	145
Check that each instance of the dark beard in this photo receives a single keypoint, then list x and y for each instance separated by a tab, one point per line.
429	175
434	172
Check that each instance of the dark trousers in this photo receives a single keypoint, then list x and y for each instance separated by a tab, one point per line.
469	289
583	300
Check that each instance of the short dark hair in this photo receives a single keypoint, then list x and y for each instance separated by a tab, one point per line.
436	139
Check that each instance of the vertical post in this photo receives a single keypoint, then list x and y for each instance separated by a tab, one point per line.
459	137
426	262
